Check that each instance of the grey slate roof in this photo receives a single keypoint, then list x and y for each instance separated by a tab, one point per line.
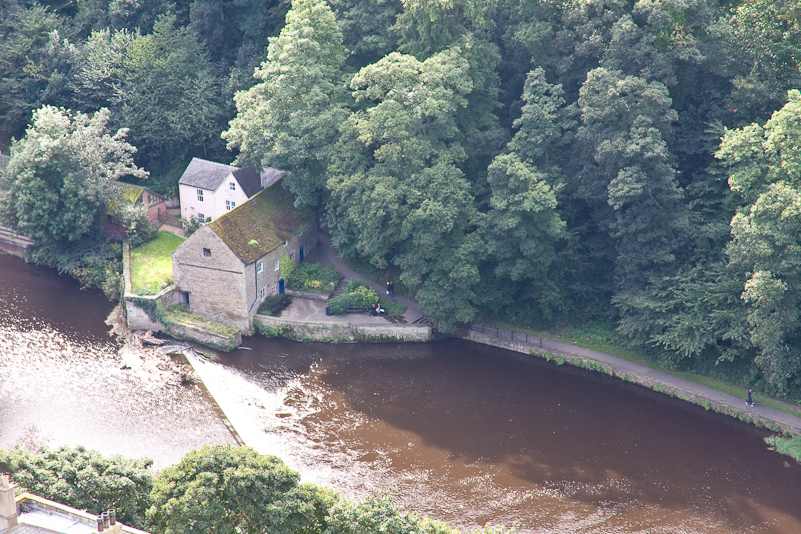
253	181
209	175
249	180
205	174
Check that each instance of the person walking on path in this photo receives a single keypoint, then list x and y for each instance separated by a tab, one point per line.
390	289
748	401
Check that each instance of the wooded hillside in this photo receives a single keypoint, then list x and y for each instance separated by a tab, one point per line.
538	161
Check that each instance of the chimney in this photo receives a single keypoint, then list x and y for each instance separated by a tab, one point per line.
8	504
107	523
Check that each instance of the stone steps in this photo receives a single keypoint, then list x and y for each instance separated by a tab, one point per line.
343	282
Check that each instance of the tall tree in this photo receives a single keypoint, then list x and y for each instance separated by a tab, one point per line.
235	490
627	174
62	174
398	196
35	66
169	95
764	167
290	119
766	42
523	224
427	27
98	68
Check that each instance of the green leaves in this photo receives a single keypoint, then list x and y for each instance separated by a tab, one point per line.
765	168
62	174
290	119
168	93
84	479
398	196
235	490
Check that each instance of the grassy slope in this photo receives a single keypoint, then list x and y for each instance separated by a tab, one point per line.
151	263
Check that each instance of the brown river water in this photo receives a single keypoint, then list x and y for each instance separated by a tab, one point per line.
457	431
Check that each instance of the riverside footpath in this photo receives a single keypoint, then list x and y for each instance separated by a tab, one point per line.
638	374
416	327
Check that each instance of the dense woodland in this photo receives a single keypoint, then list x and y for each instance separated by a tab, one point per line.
635	164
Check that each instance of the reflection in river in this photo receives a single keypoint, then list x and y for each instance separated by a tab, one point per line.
60	374
472	434
457	431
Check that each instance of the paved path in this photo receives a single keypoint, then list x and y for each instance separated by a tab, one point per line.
669	383
312	311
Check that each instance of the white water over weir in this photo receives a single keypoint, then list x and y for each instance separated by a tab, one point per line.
458	431
274	422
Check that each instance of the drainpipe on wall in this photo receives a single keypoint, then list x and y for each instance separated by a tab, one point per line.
256	279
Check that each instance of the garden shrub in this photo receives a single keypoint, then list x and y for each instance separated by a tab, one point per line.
309	276
273	304
353	284
356	294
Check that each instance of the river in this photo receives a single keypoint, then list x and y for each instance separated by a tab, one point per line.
457	431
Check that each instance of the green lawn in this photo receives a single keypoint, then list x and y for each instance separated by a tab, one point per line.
151	263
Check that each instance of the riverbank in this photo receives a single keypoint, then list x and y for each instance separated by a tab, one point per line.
651	378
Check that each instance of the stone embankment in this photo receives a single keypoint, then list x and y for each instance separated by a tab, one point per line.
14	243
639	374
342	330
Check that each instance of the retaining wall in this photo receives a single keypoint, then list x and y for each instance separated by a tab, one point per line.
308	295
676	387
14	243
345	331
138	318
204	337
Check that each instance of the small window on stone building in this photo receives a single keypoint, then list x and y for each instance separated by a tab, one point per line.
292	255
232	186
207	252
200	195
274	290
260	267
263	293
229	205
277	265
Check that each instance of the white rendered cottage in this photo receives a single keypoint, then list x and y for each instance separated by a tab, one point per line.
208	189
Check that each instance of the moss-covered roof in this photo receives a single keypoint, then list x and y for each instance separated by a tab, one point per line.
128	193
261	224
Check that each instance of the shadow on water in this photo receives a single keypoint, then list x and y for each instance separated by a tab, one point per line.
579	435
36	297
63	380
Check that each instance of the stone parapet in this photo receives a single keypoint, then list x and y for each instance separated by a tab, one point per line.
204	337
343	332
308	295
140	309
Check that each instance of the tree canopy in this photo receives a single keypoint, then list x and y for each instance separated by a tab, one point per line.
63	174
84	479
527	161
226	489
